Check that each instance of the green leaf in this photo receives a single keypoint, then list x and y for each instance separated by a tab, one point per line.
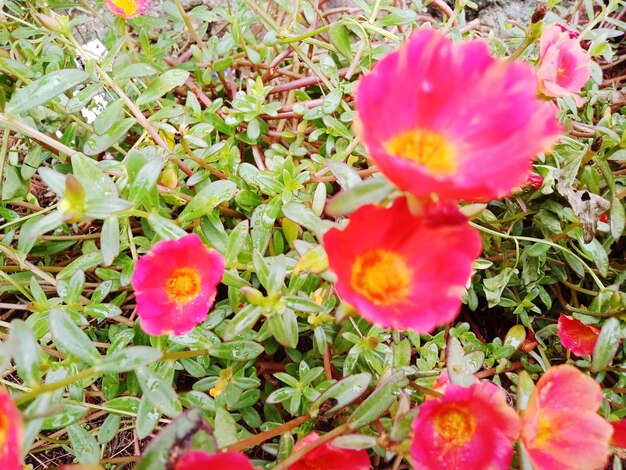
207	199
145	179
162	84
171	442
339	37
44	89
135	71
236	350
306	217
35	227
606	345
26	356
378	402
495	285
128	359
246	318
344	392
284	327
225	427
147	417
110	240
111	114
370	191
109	429
160	393
525	388
71	338
97	144
617	218
69	413
165	228
126	404
84	445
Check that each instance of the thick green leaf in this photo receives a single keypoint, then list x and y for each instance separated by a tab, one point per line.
284	327
162	84
110	239
246	318
84	445
207	199
370	191
71	338
35	227
160	393
97	144
44	89
236	350
128	359
607	345
344	392
378	402
27	354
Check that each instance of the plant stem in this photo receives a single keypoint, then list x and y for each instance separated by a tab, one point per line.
264	436
50	387
190	27
545	242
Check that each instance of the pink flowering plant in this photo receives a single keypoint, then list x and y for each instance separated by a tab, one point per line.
312	236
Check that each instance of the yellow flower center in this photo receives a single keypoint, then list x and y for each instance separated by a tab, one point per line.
129	6
455	425
381	276
544	431
429	149
183	285
4	429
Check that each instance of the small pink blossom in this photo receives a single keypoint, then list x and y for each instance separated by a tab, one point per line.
128	8
175	285
561	429
472	428
564	66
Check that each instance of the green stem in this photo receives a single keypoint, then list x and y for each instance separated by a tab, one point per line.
283	39
545	242
50	387
175	356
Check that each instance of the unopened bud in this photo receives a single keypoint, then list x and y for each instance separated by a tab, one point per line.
169	178
539	14
53	22
596	144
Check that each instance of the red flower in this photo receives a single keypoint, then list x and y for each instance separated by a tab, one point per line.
10	433
603	218
467	428
199	460
619	433
535	179
576	336
401	270
561	429
329	457
175	285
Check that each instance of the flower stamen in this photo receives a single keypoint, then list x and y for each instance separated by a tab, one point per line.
183	285
429	149
382	277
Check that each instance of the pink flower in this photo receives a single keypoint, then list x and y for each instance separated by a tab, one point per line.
128	8
329	457
401	270
564	67
561	429
10	433
576	336
448	118
175	285
197	460
535	179
441	383
468	427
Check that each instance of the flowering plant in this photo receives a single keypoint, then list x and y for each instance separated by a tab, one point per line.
299	235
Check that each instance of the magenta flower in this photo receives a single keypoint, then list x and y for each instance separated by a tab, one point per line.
472	428
448	118
128	8
401	270
561	429
10	433
175	285
564	67
329	457
199	460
